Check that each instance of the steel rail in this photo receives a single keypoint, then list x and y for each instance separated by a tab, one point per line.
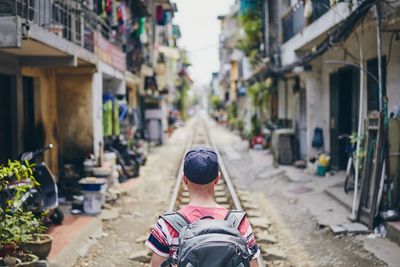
225	175
179	175
231	188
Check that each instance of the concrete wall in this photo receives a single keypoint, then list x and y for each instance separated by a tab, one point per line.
46	110
317	107
75	115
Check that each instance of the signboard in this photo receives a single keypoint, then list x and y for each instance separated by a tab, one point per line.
108	52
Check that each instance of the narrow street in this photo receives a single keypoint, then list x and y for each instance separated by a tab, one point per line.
292	237
206	133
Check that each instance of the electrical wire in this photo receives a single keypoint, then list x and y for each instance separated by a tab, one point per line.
206	47
390	48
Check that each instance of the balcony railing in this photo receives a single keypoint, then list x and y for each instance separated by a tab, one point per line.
70	20
294	21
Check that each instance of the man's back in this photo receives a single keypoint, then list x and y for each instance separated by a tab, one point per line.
200	176
163	239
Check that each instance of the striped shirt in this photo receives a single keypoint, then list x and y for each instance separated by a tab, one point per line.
163	239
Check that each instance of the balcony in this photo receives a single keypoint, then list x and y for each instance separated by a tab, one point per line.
69	20
300	39
294	20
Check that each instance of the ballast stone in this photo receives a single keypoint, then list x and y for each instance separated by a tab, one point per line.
141	256
261	223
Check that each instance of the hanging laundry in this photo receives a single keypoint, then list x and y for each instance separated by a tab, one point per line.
142	24
114	14
108	6
160	14
107	118
120	16
116	125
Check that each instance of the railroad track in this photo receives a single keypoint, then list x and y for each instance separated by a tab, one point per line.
225	193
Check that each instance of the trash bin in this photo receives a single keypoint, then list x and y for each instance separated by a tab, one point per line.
283	143
92	202
93	190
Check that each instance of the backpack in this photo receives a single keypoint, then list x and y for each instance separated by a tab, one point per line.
209	242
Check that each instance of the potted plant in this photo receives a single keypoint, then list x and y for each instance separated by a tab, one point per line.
15	229
37	242
240	126
17	225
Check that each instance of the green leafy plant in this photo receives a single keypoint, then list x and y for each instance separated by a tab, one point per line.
250	37
240	125
255	125
260	91
216	102
17	228
16	224
360	154
15	178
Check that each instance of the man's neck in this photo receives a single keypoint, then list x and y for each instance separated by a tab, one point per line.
202	201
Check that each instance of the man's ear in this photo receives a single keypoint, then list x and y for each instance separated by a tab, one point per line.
218	178
185	182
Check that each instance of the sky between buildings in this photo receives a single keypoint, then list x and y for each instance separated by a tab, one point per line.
200	29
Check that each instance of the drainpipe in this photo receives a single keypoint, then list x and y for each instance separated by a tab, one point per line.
359	132
286	102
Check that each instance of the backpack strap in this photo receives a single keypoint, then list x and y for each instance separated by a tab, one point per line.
177	220
235	217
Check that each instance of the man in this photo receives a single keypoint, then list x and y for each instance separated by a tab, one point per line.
200	175
171	122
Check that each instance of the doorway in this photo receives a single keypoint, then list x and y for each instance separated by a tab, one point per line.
344	91
32	139
6	132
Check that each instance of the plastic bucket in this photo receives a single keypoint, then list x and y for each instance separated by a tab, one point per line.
321	170
93	200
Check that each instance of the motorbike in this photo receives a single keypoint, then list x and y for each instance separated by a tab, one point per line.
129	160
44	197
140	147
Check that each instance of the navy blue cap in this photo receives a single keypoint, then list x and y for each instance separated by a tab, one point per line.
201	165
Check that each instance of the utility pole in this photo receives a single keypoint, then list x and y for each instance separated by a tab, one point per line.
379	53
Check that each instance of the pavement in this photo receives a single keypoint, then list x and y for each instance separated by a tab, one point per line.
72	239
77	233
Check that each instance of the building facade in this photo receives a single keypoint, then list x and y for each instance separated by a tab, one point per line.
60	60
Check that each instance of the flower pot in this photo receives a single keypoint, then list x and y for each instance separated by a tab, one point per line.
9	261
8	250
28	260
40	246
